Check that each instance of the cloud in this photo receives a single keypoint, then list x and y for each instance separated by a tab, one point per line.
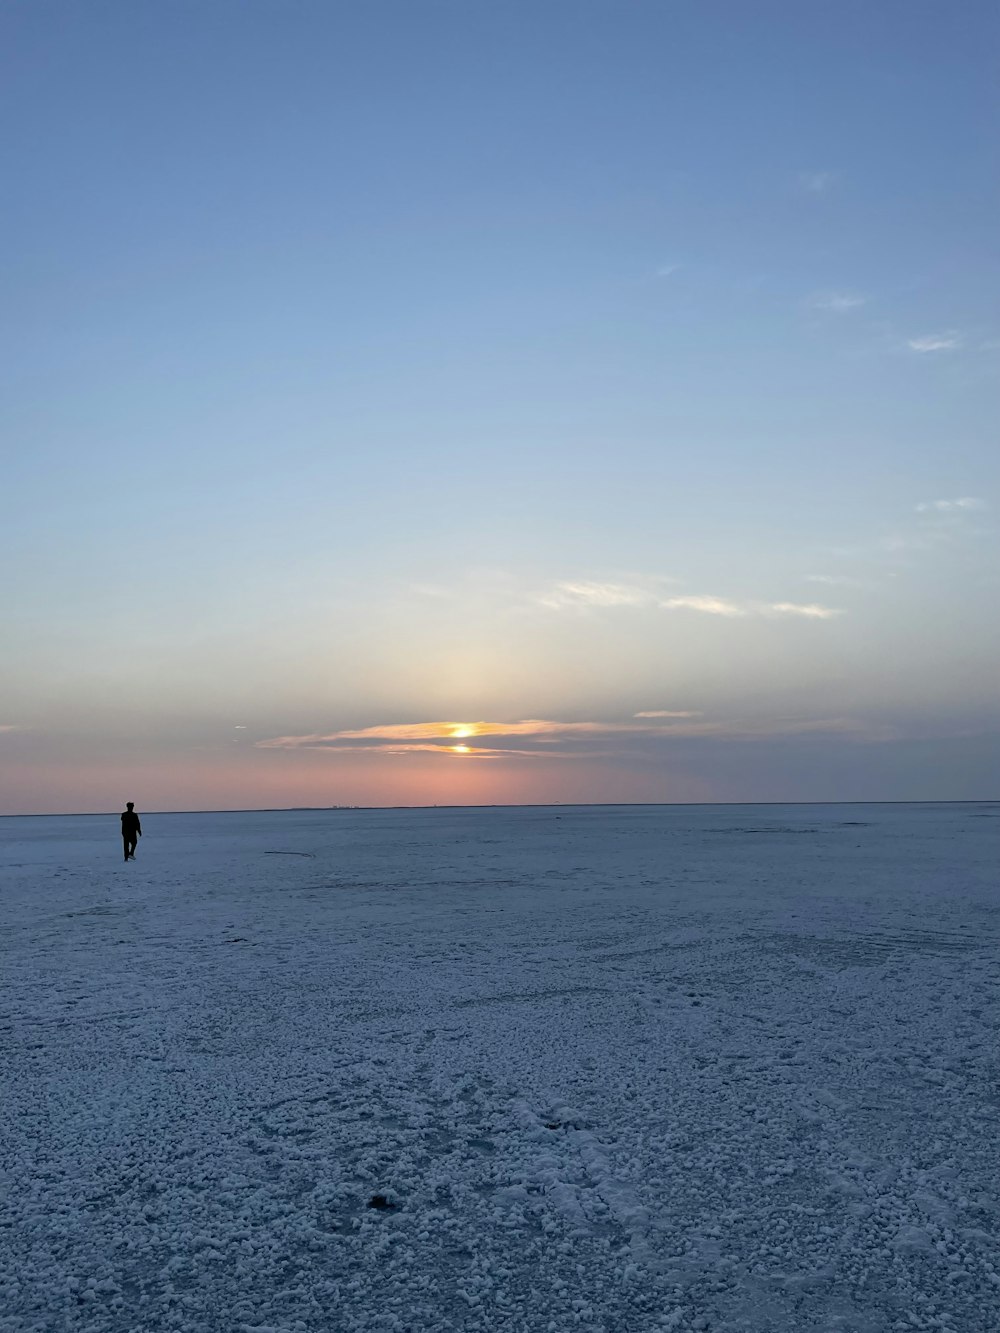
941	523
536	737
9	727
816	182
647	592
592	593
667	270
709	606
542	738
935	342
962	505
810	610
444	733
932	528
838	302
720	606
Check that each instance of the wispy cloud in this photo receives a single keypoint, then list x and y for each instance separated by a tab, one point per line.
940	523
463	740
667	270
936	342
650	593
838	303
816	182
721	606
809	610
636	592
9	727
931	531
934	525
542	738
963	504
709	606
583	593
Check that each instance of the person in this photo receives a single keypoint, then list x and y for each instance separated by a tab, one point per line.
131	830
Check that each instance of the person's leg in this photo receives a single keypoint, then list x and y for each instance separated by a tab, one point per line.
125	842
133	844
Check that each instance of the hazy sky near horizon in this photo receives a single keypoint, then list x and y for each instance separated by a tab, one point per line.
441	402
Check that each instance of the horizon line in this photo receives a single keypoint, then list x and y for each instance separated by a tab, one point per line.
502	805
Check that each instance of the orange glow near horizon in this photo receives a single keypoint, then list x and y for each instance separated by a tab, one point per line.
250	779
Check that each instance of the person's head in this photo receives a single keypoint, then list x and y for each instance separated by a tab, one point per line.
129	805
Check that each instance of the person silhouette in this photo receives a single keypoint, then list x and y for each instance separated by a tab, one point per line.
131	830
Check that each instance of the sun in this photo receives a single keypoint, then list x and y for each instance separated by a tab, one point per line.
462	729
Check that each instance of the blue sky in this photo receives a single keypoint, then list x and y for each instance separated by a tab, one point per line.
411	364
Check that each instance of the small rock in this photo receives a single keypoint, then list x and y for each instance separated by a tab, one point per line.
380	1201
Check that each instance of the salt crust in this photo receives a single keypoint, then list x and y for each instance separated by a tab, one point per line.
728	1069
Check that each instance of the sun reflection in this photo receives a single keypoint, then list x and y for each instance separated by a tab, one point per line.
460	749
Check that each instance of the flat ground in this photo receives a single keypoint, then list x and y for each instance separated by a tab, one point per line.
730	1069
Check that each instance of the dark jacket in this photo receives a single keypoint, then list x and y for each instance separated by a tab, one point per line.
131	828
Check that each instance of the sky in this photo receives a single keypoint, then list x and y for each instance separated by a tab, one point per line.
423	402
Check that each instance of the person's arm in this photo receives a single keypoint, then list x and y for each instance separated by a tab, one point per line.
138	827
